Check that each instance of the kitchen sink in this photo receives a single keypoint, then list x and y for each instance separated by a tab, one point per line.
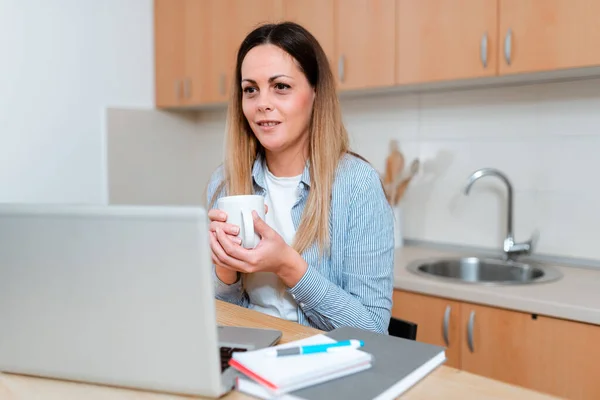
484	271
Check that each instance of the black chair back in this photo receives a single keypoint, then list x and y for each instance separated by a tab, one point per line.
402	329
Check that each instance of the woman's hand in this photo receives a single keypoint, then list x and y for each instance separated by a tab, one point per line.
271	255
217	221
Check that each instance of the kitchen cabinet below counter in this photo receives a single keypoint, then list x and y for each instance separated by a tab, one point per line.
539	336
537	352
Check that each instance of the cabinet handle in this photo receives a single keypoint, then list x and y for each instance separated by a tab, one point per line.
446	323
222	84
484	50
470	331
187	88
508	46
342	68
177	89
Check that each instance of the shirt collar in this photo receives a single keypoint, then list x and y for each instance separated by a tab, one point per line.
260	167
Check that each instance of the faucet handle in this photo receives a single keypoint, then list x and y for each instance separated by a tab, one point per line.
514	249
535	237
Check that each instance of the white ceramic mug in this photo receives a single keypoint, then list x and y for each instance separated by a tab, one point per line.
239	212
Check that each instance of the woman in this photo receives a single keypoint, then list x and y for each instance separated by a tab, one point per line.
325	258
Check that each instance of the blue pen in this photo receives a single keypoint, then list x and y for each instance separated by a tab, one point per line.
317	348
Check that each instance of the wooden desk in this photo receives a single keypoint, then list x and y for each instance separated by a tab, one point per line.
443	383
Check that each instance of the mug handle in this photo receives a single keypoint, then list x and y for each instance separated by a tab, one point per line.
248	227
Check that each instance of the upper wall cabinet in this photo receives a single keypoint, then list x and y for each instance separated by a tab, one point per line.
543	35
196	43
319	23
374	43
365	43
181	44
443	40
229	21
169	17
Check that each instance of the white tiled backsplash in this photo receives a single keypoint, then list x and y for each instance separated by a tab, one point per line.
545	137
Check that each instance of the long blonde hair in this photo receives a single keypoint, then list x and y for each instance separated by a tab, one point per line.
328	139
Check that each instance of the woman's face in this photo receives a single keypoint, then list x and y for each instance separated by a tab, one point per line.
277	99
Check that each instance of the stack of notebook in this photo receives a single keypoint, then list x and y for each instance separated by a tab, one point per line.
284	374
384	368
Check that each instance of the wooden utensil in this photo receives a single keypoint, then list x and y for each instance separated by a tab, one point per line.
393	169
401	188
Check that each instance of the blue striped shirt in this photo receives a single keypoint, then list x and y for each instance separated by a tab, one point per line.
352	284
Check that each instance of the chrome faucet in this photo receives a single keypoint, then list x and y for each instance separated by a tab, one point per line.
511	249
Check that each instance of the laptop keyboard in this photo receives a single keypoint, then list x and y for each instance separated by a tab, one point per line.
226	353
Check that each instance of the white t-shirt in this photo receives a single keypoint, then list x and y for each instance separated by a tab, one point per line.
264	293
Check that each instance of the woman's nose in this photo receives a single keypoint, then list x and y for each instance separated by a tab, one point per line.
265	103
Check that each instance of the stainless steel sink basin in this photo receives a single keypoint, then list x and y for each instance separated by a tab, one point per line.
485	271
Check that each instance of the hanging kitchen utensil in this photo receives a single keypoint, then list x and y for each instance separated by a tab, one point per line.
400	189
393	169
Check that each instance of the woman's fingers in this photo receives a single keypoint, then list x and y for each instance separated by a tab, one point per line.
223	258
217	215
235	239
227	228
236	252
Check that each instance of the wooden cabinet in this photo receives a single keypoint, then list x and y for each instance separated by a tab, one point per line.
319	23
443	40
196	42
365	43
169	16
447	40
543	35
375	43
438	321
181	40
229	22
546	354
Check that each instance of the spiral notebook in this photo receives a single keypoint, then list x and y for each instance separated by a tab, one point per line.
397	365
279	375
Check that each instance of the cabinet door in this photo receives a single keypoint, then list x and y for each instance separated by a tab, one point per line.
365	32
169	16
545	354
229	21
437	319
541	35
319	23
445	39
197	58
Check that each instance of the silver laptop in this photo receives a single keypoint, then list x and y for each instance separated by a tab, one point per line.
114	295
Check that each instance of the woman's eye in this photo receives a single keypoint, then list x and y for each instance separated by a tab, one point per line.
249	90
281	86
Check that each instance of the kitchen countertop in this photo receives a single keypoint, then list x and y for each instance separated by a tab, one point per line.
575	296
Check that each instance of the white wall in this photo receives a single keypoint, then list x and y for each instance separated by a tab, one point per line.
545	137
62	63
